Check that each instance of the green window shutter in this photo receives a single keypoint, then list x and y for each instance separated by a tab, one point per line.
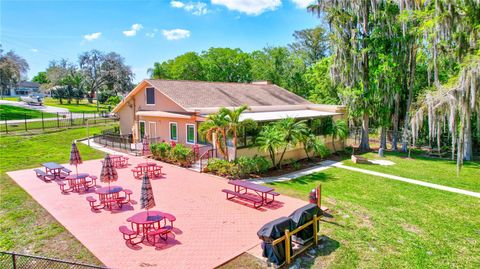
173	131
190	134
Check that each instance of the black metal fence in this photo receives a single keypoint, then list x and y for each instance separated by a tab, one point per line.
12	260
53	121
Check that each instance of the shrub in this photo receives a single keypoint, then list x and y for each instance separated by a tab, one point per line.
181	155
322	151
247	165
161	151
222	168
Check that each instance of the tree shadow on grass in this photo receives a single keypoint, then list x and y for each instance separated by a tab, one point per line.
325	247
306	180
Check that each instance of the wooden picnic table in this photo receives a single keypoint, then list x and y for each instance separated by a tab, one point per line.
149	225
152	169
54	170
241	188
78	182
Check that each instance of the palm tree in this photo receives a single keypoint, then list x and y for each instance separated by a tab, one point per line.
234	124
270	139
293	131
338	129
157	72
216	124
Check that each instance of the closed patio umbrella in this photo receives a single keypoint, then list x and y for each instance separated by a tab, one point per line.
146	146
75	158
146	197
108	173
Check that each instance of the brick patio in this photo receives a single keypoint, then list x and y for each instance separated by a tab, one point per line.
210	230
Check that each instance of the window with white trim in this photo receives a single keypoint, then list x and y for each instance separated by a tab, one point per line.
173	131
150	96
190	134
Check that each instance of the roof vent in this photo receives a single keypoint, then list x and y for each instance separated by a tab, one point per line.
262	82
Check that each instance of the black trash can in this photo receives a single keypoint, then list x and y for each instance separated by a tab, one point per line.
271	231
301	216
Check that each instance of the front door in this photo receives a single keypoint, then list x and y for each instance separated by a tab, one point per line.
152	129
141	129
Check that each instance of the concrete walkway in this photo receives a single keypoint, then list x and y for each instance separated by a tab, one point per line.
408	180
99	147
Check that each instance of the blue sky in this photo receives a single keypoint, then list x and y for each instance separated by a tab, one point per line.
145	31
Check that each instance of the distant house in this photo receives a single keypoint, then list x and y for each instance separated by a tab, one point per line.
25	88
170	110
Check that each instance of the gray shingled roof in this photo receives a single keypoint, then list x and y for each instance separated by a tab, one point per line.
200	94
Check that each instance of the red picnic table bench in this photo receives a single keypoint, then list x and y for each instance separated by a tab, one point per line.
259	196
148	225
152	169
109	196
118	161
77	182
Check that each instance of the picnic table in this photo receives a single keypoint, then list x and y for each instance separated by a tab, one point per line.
152	169
52	171
258	194
78	182
119	161
109	196
148	225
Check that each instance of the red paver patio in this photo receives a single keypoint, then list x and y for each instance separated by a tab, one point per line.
210	230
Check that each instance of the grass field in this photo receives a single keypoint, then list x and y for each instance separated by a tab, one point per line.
19	113
10	98
24	225
382	223
439	171
84	106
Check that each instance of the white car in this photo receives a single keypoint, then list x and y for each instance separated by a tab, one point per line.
32	100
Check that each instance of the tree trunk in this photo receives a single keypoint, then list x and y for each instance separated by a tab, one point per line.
383	138
234	140
364	141
395	118
411	84
333	144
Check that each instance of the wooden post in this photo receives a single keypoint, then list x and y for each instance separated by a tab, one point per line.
287	247
26	129
315	229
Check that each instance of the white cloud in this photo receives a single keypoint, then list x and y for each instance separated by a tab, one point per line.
34	50
151	35
249	7
177	4
93	36
133	30
303	3
176	34
196	8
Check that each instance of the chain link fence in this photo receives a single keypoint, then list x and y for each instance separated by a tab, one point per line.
12	260
48	121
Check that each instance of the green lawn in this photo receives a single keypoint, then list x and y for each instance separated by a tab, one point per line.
24	225
382	223
84	106
439	171
19	113
11	98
